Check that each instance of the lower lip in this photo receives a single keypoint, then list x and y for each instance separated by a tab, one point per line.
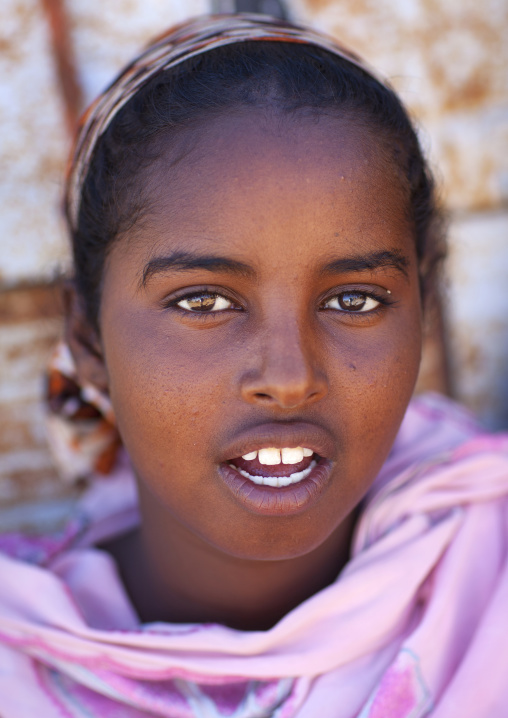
278	501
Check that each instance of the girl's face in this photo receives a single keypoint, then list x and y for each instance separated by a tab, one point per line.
269	299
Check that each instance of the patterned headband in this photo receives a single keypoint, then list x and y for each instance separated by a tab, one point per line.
180	43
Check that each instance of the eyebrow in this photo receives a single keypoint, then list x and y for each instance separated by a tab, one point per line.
390	259
185	261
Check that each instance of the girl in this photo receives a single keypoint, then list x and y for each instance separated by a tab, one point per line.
255	237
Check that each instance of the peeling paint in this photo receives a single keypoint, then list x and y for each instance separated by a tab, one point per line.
33	147
478	314
30	324
107	35
449	61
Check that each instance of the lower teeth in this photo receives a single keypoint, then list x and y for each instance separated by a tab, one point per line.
277	481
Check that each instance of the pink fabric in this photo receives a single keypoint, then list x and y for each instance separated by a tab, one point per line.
416	624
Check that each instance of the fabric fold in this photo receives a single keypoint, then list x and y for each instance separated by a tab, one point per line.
429	561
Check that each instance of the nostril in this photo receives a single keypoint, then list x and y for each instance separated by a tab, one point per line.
263	397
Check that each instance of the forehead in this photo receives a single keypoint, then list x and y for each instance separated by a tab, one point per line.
261	180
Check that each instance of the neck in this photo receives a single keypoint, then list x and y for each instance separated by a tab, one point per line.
173	575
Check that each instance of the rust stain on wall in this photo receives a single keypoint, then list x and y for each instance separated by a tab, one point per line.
21	305
449	62
466	54
30	325
63	54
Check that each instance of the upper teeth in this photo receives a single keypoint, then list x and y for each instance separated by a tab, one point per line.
271	457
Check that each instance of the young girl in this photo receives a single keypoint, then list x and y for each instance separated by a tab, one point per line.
255	239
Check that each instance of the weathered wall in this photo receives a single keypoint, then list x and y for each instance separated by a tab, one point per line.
29	327
33	145
448	60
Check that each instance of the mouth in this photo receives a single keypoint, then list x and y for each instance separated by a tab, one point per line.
275	467
279	480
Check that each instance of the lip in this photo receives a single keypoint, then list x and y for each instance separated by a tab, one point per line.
281	501
286	500
280	435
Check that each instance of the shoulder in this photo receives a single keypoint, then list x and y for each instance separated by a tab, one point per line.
442	463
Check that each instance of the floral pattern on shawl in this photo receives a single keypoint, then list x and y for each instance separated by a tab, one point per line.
87	697
401	693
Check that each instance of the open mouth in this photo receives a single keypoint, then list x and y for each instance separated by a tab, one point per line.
279	480
276	467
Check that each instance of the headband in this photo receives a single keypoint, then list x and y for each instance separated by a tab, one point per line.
180	43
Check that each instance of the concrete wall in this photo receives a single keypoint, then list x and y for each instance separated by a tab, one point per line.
448	60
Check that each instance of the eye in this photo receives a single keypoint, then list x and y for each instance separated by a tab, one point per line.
203	302
353	302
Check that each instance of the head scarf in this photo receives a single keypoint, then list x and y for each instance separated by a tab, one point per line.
81	424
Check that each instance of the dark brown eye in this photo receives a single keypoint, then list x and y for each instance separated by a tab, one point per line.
352	302
204	303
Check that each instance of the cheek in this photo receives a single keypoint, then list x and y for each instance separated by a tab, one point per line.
156	386
372	380
168	388
385	363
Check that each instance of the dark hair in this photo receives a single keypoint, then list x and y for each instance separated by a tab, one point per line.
289	76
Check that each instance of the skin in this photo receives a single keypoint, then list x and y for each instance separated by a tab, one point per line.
285	196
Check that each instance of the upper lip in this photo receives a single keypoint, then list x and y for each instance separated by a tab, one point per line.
278	435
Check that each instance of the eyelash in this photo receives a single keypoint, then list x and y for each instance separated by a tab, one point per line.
383	301
173	303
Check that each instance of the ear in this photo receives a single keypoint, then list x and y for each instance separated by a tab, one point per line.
84	342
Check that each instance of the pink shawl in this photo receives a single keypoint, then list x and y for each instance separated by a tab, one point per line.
416	624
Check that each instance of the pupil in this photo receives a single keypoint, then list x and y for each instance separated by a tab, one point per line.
204	302
352	300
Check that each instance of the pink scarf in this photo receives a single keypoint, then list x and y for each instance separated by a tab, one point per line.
416	624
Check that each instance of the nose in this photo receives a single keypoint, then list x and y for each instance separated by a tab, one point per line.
286	374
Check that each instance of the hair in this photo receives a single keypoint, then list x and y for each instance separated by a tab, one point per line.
287	76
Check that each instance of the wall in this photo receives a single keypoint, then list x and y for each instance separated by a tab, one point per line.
447	59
